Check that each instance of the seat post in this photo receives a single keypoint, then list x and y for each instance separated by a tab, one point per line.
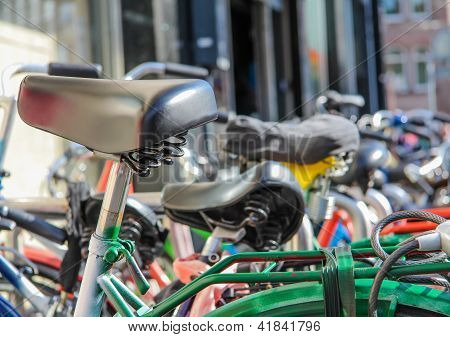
91	296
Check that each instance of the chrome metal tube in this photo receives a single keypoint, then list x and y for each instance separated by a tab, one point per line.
114	201
360	217
144	69
91	297
47	206
181	239
379	203
16	69
304	236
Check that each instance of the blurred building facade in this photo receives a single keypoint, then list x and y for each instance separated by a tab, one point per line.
43	31
267	58
409	28
37	31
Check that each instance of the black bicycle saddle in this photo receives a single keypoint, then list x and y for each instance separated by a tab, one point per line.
306	142
115	116
268	193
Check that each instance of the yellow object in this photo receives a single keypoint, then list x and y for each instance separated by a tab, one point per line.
305	174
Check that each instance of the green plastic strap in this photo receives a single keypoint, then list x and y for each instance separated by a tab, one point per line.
346	280
331	286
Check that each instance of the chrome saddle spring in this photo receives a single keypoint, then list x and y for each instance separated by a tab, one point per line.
142	160
271	234
131	230
258	208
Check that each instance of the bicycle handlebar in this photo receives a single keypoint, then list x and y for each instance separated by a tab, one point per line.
186	70
16	69
94	71
355	100
159	68
336	99
74	70
52	68
34	224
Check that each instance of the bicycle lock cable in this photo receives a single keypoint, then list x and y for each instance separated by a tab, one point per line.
422	215
431	241
384	270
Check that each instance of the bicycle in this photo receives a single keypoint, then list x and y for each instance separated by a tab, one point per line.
140	154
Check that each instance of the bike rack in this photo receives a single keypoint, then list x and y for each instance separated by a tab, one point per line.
341	269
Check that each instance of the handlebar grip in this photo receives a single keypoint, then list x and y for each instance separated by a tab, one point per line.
73	70
34	224
185	70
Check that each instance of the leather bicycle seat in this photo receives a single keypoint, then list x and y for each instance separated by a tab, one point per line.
112	116
307	142
268	186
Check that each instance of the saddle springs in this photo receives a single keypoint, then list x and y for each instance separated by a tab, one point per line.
144	159
260	213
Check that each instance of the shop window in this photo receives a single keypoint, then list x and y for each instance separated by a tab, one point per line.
419	8
420	63
395	69
315	65
65	21
392	9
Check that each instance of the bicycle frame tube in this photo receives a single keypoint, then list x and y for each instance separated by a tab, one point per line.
91	297
7	104
358	213
379	202
24	286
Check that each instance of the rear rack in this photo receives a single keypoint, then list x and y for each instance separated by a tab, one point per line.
341	271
